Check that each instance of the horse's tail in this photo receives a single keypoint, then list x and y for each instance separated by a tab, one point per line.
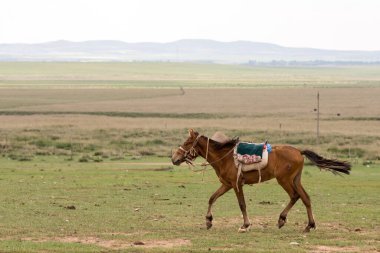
334	166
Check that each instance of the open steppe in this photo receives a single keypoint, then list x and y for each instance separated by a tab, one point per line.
85	156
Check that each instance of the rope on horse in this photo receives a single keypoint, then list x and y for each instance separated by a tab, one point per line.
239	174
205	164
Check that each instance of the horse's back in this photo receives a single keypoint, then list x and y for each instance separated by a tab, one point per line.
287	152
285	160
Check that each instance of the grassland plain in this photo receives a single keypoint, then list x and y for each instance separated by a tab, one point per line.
182	74
53	205
84	156
349	116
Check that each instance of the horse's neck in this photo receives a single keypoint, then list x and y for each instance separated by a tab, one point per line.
212	155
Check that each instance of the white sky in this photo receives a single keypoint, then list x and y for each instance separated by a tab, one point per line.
328	24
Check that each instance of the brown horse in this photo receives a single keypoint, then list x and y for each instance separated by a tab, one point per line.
285	163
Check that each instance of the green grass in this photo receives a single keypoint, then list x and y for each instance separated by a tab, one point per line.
83	187
126	202
144	74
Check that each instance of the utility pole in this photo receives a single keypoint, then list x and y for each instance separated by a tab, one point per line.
318	118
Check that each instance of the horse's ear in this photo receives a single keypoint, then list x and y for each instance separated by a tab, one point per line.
192	133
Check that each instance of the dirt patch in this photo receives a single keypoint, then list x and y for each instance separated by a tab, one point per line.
111	244
323	249
166	243
115	244
140	233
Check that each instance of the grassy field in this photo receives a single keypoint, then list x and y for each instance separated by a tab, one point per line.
58	206
182	74
37	121
84	156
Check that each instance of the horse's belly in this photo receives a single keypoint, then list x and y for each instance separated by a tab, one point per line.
253	177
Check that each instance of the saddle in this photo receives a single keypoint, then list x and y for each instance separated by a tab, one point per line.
251	156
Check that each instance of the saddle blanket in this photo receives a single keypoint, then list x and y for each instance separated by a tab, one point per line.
249	153
251	156
246	148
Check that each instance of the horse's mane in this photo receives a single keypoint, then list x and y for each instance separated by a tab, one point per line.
219	141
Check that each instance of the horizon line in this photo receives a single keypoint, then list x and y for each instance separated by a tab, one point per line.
178	40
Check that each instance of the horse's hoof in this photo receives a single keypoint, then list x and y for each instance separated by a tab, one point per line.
281	223
244	229
209	221
307	229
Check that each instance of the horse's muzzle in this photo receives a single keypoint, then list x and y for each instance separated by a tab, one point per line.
176	161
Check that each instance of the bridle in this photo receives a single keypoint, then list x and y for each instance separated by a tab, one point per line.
191	154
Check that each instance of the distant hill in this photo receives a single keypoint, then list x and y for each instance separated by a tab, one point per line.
239	52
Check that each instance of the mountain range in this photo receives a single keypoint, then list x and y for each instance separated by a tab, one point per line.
194	50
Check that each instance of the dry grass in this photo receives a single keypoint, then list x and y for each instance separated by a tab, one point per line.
282	115
251	109
298	102
73	100
288	124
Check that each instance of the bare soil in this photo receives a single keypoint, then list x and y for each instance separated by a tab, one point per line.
115	243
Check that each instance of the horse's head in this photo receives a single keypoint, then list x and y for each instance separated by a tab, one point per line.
186	152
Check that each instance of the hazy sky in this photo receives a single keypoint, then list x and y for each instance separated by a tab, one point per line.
331	24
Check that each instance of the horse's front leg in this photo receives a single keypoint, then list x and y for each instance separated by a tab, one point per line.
240	196
222	189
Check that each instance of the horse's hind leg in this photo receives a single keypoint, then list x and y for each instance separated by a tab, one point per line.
294	196
306	201
222	189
